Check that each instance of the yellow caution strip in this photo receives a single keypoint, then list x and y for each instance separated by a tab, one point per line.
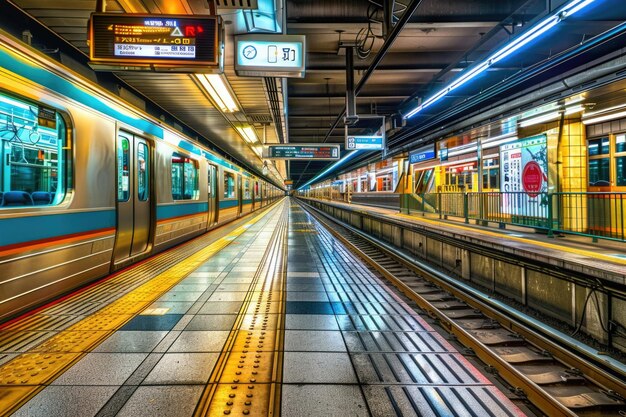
527	241
28	373
247	377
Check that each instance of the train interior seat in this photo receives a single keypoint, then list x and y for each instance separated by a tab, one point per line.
17	198
41	198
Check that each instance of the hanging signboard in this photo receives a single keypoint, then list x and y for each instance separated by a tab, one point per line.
524	178
267	55
302	151
366	134
187	43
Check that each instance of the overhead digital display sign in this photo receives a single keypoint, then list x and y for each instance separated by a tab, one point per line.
262	55
302	151
154	41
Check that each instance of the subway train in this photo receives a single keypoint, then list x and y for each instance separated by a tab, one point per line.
89	185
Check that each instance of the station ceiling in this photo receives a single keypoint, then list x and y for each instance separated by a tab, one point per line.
438	41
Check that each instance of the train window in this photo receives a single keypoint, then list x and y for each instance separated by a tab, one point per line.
142	172
35	165
123	171
246	190
184	178
229	185
210	183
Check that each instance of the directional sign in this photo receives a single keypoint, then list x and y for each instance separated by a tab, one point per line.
367	133
369	143
302	151
150	41
264	55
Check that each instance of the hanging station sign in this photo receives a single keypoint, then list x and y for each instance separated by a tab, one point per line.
266	55
302	151
366	134
185	43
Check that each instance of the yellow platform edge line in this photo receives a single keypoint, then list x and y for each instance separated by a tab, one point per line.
21	378
575	251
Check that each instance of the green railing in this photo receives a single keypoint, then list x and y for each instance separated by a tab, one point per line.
597	215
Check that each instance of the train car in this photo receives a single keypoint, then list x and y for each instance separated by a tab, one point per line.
89	184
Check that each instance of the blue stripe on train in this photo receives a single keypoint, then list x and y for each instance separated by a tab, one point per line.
177	210
31	228
228	204
65	87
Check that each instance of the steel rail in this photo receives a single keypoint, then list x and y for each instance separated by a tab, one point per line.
561	350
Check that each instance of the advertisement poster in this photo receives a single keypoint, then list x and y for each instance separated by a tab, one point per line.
524	177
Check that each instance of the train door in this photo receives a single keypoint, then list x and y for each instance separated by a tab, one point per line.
134	200
212	187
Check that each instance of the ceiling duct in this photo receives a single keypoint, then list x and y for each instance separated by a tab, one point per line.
237	4
260	118
266	18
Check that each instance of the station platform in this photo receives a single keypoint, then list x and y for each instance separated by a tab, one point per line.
272	317
603	259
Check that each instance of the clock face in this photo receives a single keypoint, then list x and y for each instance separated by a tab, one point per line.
249	52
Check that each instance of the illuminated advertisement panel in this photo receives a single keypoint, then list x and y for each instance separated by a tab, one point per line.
524	178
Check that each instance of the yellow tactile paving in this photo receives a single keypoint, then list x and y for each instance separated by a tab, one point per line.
33	371
246	379
560	248
32	368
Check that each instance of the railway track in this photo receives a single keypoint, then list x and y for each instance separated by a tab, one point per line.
556	374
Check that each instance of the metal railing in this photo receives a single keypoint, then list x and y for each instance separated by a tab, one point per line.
592	214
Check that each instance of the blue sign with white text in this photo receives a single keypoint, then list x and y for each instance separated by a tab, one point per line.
422	154
370	143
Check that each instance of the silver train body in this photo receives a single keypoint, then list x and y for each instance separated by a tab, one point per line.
121	185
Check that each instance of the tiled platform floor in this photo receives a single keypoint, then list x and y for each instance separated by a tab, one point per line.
351	346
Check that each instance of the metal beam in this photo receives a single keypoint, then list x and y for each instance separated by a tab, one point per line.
406	16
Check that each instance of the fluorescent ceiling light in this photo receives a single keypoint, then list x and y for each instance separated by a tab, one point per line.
540	119
219	92
574	109
605	118
524	38
247	133
608	109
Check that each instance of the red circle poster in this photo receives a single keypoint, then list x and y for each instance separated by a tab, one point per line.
532	178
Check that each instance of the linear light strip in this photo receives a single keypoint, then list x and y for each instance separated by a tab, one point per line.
247	133
219	92
605	118
334	166
535	31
